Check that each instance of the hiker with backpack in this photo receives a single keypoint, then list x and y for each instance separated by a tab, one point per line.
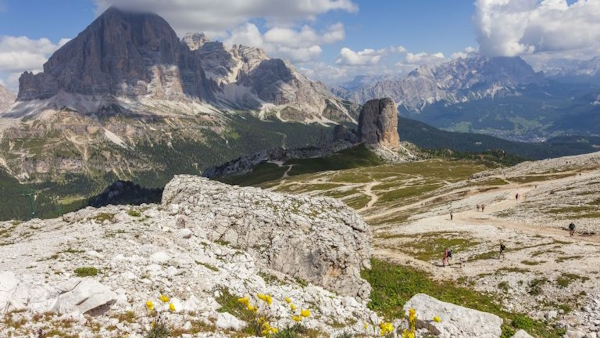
571	229
502	249
447	255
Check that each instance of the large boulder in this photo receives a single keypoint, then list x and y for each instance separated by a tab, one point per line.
74	296
378	123
456	321
84	296
318	240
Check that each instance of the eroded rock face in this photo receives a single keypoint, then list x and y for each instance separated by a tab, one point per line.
121	54
378	123
319	240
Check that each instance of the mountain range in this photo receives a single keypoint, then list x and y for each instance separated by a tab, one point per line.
501	96
128	99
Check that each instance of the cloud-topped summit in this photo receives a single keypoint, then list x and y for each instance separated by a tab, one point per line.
137	56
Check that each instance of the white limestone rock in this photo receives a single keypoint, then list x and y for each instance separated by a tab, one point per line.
84	296
319	240
456	321
522	334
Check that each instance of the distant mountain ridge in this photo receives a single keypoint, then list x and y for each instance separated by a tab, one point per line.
455	81
6	98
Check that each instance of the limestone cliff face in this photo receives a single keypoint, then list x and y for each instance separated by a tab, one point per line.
138	55
120	54
6	98
378	123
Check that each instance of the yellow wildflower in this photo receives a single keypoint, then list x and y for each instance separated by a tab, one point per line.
164	299
288	300
296	318
274	330
265	298
305	313
171	307
437	319
244	300
293	307
366	326
150	305
386	328
252	308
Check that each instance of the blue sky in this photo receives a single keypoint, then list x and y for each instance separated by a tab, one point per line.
331	40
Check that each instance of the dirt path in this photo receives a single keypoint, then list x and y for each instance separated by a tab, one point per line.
369	192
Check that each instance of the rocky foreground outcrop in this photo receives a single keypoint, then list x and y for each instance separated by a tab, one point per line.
92	272
205	241
320	240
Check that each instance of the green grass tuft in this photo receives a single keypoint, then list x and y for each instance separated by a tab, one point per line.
87	271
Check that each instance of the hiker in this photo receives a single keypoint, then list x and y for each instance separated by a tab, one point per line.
447	254
482	207
571	229
517	196
451	215
461	262
502	249
478	207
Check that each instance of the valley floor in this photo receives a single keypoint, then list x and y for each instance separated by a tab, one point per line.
544	271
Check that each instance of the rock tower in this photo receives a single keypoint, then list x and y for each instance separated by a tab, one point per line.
378	124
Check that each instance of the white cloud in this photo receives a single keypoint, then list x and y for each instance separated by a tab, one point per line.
465	53
423	58
366	56
20	53
363	57
522	27
297	45
217	17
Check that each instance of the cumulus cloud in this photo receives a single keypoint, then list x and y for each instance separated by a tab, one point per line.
363	57
525	27
366	56
20	53
296	45
469	51
423	58
216	18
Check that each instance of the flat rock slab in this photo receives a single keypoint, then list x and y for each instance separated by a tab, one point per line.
456	321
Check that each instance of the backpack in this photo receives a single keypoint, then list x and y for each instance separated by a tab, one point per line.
572	226
449	253
502	247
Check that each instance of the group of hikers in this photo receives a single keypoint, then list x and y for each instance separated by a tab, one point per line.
448	252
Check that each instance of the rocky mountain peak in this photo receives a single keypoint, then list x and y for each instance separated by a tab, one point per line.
6	98
195	40
130	56
455	81
120	53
